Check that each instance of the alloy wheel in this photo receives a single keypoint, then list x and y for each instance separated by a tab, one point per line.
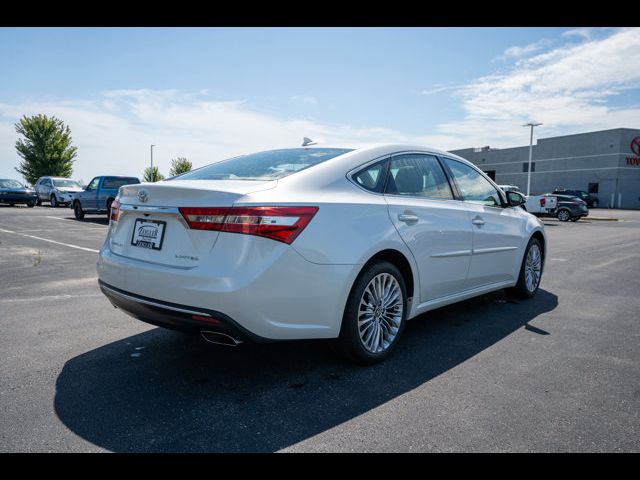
533	267
380	313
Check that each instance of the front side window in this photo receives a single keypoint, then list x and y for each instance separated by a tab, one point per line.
417	175
473	187
94	184
269	165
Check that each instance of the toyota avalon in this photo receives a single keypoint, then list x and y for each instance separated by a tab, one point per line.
310	243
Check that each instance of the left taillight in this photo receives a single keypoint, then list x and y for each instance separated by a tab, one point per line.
282	224
115	211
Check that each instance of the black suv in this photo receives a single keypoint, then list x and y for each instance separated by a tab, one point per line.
570	208
592	200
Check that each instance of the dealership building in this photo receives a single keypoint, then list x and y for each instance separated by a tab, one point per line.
605	163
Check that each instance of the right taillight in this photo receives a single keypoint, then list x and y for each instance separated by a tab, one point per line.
283	224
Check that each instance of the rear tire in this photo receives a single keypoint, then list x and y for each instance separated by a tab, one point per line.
109	202
77	211
375	315
564	215
594	204
38	201
530	271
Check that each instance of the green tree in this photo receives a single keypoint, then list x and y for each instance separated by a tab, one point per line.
152	175
180	165
46	148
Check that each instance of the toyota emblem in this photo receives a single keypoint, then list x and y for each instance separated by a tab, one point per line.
143	196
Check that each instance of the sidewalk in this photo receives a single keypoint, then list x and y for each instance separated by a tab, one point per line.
612	214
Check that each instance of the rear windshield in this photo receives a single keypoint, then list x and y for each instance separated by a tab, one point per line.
8	183
118	182
63	183
269	165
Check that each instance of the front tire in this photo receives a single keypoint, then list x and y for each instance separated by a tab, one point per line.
375	315
77	211
594	204
31	203
530	271
53	201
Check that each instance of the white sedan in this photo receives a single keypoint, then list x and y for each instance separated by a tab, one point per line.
316	242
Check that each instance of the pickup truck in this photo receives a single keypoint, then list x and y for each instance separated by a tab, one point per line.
538	205
98	195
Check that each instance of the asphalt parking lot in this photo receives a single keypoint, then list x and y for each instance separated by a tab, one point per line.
560	372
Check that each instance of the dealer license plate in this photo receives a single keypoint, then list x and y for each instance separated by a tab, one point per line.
148	233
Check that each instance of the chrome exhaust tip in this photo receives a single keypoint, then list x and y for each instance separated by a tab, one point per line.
220	338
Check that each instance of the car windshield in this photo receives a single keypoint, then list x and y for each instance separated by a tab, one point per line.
8	183
269	165
65	183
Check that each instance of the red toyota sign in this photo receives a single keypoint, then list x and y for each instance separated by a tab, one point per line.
635	148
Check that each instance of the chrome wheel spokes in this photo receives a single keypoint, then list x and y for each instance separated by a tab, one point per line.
380	313
533	267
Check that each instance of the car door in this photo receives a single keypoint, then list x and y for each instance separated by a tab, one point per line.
89	196
435	227
103	193
497	229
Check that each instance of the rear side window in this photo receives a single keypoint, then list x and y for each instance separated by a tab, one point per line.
118	182
269	165
417	175
371	178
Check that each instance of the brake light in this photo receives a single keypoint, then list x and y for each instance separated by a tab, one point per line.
543	202
283	224
115	211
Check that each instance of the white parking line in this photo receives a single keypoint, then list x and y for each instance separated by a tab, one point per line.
51	241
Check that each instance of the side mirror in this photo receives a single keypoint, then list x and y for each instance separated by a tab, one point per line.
515	199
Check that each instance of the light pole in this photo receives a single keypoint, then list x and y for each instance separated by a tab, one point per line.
152	174
530	124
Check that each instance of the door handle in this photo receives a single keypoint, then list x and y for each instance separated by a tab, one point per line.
407	217
478	221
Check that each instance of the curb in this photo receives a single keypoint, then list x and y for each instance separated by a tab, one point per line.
602	219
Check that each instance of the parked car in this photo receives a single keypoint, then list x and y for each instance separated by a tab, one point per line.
591	200
56	190
99	194
14	192
569	208
316	243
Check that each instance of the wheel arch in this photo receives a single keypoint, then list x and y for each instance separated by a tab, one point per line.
400	261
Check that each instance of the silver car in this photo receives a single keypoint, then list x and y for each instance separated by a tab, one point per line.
56	190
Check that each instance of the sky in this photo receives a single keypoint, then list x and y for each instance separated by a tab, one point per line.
210	93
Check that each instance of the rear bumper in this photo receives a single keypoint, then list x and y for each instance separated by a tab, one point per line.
176	317
267	289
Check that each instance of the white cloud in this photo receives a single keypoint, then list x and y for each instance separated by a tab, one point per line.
438	88
517	52
304	100
566	88
113	132
578	32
